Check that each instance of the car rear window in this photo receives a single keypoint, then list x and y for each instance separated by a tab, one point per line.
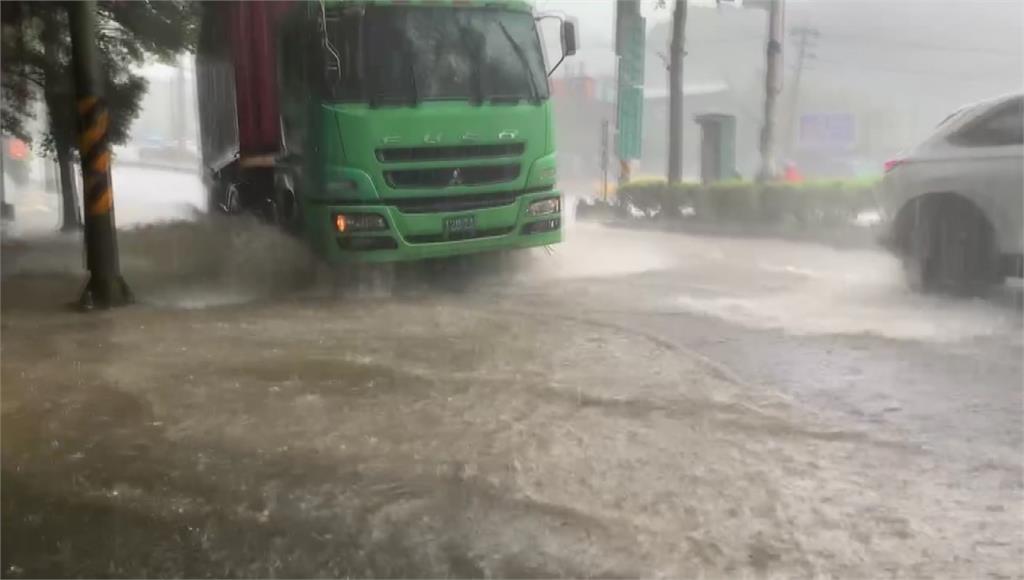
1002	126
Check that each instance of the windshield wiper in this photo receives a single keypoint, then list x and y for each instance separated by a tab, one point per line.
376	98
412	79
534	93
378	92
412	73
478	85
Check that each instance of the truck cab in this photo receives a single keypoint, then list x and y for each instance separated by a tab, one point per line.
404	130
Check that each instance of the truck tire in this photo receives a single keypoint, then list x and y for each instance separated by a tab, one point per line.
287	213
950	250
223	191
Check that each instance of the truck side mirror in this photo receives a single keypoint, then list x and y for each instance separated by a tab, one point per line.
568	38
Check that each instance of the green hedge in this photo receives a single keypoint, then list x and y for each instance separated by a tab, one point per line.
810	202
656	197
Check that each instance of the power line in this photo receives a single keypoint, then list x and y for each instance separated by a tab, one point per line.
806	36
885	43
935	73
874	43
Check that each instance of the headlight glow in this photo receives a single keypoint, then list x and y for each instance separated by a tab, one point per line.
359	222
544	206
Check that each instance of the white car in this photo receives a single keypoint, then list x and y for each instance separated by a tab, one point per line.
954	205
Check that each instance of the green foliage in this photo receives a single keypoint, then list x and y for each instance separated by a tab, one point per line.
821	202
732	201
37	60
656	197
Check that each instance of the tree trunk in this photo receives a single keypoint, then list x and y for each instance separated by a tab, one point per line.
59	108
71	215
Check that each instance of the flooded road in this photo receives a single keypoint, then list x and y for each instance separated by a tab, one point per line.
630	404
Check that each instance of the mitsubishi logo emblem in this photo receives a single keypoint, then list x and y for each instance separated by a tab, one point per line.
456	178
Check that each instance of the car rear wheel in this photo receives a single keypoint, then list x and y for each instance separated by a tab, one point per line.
950	250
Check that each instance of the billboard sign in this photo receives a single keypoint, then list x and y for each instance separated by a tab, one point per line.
828	131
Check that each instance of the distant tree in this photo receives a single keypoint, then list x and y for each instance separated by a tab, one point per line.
36	66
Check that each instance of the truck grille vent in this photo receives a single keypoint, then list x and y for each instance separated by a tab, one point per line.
451	176
406	154
455	203
470	235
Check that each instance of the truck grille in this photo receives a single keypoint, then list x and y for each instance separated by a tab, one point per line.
451	176
455	203
470	235
406	154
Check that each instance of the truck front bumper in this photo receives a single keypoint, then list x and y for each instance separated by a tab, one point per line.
416	236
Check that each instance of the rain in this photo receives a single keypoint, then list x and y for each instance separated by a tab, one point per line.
419	290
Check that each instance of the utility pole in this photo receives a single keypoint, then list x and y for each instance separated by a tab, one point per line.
806	37
106	288
604	159
772	87
675	93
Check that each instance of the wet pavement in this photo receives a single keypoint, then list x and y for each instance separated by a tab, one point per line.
630	404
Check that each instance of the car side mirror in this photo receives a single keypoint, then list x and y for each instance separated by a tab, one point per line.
568	38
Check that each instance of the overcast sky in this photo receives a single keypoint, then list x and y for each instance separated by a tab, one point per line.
980	30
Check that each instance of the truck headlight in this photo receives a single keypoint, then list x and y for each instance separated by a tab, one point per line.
544	206
359	222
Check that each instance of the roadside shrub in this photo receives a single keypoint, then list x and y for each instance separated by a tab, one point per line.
595	209
656	197
729	202
832	202
781	203
805	204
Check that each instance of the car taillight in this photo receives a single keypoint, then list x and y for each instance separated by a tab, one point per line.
894	163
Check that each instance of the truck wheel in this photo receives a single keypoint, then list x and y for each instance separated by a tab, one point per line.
951	251
225	199
287	210
233	199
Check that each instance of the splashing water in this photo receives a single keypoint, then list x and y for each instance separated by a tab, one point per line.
206	261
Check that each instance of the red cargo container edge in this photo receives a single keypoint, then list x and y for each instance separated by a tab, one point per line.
253	48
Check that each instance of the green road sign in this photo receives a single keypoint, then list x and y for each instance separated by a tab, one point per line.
631	60
625	11
630	44
630	122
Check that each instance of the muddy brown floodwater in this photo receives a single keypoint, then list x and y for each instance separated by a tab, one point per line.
314	434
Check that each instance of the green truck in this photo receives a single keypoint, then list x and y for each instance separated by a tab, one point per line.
382	131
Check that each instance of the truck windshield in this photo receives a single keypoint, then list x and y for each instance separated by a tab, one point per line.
413	54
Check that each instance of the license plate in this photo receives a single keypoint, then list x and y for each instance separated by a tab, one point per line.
460	224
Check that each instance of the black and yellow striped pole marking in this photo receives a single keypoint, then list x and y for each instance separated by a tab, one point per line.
106	288
95	153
